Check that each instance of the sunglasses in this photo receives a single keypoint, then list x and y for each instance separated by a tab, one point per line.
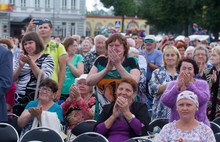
41	21
148	40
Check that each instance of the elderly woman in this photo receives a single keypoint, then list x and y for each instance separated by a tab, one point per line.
31	61
187	69
187	128
86	47
74	66
80	105
189	52
160	78
34	109
108	70
124	118
212	77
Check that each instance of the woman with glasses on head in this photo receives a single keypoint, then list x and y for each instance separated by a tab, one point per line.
212	77
160	78
108	70
31	62
34	109
74	66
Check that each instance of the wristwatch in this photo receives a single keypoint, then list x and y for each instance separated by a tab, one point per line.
132	117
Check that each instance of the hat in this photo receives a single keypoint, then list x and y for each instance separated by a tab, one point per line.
83	76
188	95
150	37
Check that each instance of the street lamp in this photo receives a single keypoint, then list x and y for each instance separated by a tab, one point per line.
58	30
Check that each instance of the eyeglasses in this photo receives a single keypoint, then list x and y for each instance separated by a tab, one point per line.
148	40
46	89
200	54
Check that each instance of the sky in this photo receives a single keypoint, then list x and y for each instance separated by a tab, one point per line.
90	5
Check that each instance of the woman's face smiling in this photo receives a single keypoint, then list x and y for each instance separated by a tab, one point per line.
125	90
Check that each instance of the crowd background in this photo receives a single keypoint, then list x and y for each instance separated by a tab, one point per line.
88	71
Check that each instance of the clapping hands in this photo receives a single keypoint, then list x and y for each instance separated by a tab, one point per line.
184	80
74	93
121	106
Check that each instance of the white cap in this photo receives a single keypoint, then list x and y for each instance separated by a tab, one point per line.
150	37
83	76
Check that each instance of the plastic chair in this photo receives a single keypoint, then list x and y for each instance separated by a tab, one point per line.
160	122
217	120
84	126
12	120
41	134
215	127
217	137
8	133
138	139
90	137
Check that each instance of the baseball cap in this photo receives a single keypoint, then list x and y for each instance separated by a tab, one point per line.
83	76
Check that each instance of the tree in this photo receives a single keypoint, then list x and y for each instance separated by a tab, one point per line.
121	8
169	15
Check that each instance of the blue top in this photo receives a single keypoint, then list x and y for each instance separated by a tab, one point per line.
155	57
54	108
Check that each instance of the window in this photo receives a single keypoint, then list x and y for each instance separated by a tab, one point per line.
37	3
73	29
64	4
23	3
12	1
64	29
73	4
47	3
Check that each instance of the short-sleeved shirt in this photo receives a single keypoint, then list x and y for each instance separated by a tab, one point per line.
55	50
54	108
170	133
69	77
155	57
106	87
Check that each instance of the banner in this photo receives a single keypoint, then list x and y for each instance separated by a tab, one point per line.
6	7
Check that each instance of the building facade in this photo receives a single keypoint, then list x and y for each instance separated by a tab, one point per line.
94	24
67	16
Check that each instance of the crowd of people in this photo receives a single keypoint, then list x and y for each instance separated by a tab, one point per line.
114	80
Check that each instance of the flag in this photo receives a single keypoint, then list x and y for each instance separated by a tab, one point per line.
6	7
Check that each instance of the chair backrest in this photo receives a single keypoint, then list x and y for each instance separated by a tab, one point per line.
217	137
215	127
90	137
217	120
138	139
12	120
41	134
84	126
160	122
8	133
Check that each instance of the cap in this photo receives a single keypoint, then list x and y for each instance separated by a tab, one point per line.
83	76
150	37
188	95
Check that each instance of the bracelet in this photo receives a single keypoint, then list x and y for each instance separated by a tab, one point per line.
132	117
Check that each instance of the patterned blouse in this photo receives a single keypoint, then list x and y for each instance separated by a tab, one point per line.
77	111
170	133
159	76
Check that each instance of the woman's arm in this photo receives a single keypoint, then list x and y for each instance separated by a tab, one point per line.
94	76
77	71
17	72
24	118
88	112
65	105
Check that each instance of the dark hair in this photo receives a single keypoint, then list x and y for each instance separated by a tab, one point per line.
49	83
130	81
121	40
68	42
7	42
195	67
36	38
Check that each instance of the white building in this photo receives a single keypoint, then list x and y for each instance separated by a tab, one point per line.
67	16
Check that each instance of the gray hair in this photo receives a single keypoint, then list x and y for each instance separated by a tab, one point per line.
201	47
187	49
98	37
131	41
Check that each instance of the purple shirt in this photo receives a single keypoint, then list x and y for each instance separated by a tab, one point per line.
120	129
199	87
